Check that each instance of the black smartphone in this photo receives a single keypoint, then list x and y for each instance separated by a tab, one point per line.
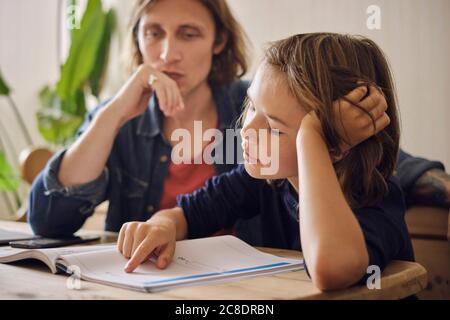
42	243
6	236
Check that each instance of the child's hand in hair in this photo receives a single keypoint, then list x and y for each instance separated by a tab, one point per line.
138	241
355	125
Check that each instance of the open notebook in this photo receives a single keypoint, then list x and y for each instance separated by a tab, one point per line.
198	261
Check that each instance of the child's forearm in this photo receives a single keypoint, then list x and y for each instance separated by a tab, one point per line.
176	215
332	240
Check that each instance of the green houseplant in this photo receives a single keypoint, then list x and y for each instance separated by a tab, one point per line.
64	104
9	180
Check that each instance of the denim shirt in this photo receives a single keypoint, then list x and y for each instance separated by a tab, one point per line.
134	175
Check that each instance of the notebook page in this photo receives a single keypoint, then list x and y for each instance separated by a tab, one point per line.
193	260
48	256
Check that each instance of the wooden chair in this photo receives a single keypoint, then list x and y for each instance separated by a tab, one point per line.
32	162
430	233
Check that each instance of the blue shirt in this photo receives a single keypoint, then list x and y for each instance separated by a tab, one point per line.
235	195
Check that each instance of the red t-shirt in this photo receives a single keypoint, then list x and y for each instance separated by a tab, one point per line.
184	178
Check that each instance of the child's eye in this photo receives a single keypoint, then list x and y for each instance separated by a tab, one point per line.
249	107
275	132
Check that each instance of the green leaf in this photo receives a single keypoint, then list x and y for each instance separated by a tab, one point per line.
9	182
48	97
82	53
4	89
72	3
55	124
58	127
96	77
64	106
94	7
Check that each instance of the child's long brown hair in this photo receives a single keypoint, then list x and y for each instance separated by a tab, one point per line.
324	67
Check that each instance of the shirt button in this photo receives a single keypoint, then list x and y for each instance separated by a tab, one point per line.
150	209
163	158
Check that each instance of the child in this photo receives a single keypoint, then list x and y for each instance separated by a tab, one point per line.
341	207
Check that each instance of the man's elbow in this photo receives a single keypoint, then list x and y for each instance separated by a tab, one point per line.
47	228
41	215
39	223
42	229
37	208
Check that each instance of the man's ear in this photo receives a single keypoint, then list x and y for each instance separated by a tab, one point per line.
220	42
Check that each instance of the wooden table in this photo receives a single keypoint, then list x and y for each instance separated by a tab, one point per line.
33	280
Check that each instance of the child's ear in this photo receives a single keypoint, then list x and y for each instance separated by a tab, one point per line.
220	42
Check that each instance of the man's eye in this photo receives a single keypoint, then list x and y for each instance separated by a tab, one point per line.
152	34
189	35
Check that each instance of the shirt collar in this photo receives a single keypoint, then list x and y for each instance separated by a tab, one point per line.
150	124
226	108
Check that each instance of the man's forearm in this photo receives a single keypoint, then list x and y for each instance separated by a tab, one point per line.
86	159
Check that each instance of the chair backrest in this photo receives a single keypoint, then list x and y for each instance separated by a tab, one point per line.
32	162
